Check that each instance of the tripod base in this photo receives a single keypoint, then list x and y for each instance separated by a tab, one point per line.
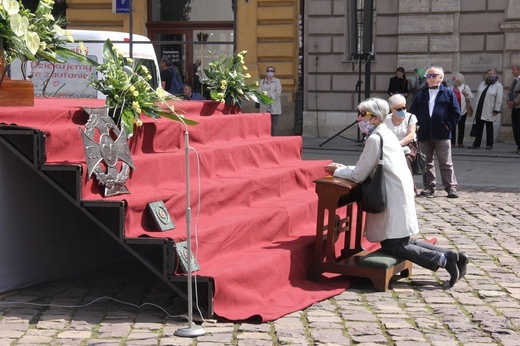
190	332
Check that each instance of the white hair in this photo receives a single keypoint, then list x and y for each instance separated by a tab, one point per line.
396	100
376	106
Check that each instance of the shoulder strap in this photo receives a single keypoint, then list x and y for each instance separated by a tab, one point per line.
381	141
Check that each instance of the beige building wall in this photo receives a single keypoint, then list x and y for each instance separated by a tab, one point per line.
97	15
269	31
466	36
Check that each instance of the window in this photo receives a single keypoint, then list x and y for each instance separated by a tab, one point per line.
192	10
360	22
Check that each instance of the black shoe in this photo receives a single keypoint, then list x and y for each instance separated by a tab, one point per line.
473	147
428	192
451	266
452	193
462	264
461	146
489	147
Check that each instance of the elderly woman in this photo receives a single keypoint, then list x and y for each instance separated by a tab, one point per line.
394	226
489	105
403	124
464	95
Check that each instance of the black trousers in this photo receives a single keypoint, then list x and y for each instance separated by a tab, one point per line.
515	123
480	131
419	252
462	127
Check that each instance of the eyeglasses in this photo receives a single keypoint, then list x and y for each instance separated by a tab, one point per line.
400	109
431	75
270	70
365	113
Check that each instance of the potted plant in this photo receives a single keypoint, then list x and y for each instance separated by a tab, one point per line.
226	79
124	82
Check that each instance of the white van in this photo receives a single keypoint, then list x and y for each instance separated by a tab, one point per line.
71	78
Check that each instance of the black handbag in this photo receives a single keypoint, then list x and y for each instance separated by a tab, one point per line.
419	164
373	190
473	132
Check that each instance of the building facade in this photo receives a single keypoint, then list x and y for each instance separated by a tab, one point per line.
466	36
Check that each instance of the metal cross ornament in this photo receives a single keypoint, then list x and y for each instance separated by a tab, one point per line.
104	148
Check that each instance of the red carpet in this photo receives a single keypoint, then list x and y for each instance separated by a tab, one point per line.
257	206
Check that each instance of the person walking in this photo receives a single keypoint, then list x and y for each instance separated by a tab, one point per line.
464	95
394	226
489	96
513	103
272	86
171	79
438	113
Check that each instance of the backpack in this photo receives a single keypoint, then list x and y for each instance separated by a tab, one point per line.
177	85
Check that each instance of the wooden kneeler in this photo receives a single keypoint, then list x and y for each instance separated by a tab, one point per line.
335	194
380	268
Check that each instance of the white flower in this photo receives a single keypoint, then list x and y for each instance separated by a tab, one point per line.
33	41
69	36
160	91
82	48
58	30
11	7
19	24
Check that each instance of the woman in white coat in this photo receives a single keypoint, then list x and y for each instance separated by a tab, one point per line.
394	226
272	86
489	105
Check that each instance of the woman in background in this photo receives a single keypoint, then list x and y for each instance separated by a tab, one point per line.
463	93
272	86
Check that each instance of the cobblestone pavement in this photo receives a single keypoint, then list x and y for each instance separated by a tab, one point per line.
482	309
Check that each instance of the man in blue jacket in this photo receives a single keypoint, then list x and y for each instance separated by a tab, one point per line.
437	112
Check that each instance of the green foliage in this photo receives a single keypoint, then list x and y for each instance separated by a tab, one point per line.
131	95
226	80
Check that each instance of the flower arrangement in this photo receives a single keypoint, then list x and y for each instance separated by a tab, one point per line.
124	82
34	36
226	80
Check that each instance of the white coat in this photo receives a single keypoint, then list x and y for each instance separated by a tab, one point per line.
492	100
399	220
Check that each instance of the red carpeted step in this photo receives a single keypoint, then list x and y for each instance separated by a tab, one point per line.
222	192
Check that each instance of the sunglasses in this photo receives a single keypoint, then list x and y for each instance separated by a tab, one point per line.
431	75
400	109
270	70
364	114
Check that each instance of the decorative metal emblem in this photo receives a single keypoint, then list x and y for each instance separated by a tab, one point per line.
182	252
104	149
160	215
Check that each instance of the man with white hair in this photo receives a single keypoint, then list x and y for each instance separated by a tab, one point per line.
438	113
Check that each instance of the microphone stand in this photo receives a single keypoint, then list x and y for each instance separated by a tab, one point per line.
192	330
